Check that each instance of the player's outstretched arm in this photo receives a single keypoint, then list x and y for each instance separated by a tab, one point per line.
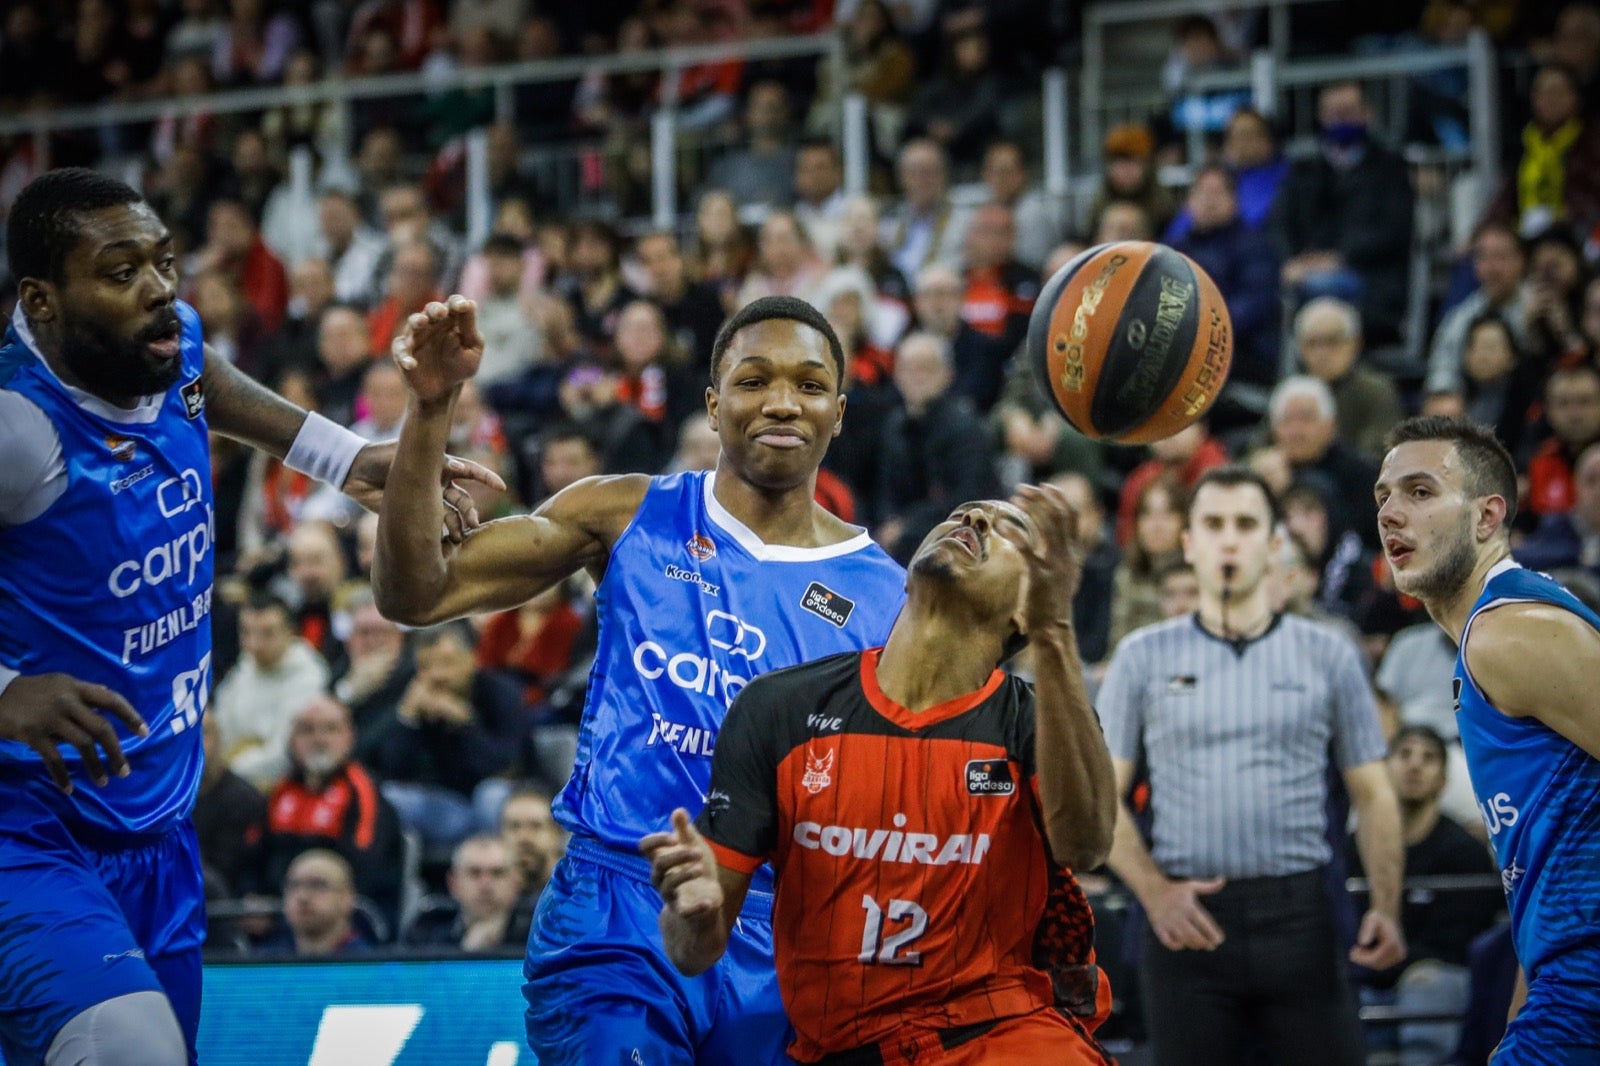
1537	660
418	578
700	898
1077	786
240	407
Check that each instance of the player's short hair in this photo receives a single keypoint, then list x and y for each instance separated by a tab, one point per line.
1425	733
47	218
767	309
1232	475
1485	463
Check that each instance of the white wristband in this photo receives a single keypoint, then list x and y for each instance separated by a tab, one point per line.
324	449
7	675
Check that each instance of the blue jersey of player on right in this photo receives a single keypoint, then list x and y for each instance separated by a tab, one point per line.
1539	795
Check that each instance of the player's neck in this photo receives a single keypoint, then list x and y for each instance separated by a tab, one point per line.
1451	612
788	516
48	341
933	657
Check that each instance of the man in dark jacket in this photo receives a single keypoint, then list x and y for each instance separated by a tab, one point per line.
1344	217
934	450
1244	264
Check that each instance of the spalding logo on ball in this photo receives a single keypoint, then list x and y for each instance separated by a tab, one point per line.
1132	341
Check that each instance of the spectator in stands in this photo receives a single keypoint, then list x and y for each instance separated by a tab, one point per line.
1556	279
933	453
693	309
228	813
537	843
1572	409
32	58
1038	222
277	674
511	343
699	447
1556	177
594	287
1570	538
846	299
412	24
925	227
234	247
959	108
1439	925
503	18
1091	605
253	175
1157	541
349	244
591	398
378	669
319	905
1500	263
456	726
1250	152
383	400
412	284
878	64
999	291
408	219
378	164
761	172
1344	216
1327	333
723	250
330	800
1182	457
231	327
1304	435
1245	266
819	196
484	916
786	263
657	377
858	247
1123	220
567	455
311	292
344	351
979	360
1179	589
1500	380
254	45
315	588
321	126
1129	174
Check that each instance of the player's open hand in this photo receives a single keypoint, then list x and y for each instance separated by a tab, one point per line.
440	347
684	870
1054	554
52	709
370	472
1379	944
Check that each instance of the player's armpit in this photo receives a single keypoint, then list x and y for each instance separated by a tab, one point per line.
1537	660
507	562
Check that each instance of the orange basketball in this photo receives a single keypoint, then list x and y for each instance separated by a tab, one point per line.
1132	341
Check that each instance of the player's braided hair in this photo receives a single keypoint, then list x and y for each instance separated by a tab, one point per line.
45	221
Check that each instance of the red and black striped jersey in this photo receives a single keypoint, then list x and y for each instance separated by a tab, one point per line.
914	883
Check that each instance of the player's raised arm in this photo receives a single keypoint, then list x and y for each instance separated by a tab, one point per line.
240	407
700	898
1077	787
417	577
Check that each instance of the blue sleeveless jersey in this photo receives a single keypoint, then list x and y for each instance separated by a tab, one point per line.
1539	795
112	584
692	606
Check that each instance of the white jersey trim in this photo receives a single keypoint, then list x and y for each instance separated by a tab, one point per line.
774	553
147	410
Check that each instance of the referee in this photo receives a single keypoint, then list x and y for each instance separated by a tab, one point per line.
1237	710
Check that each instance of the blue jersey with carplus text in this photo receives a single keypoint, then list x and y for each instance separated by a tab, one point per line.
1539	795
112	584
692	606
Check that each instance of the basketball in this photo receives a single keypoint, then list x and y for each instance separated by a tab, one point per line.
1132	341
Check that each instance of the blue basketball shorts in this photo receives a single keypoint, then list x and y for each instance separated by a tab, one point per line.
82	923
600	988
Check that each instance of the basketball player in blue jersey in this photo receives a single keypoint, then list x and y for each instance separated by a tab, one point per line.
107	389
1525	682
704	580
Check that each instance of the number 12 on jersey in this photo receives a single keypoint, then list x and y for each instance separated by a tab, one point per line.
886	950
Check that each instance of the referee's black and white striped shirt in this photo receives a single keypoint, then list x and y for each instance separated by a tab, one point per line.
1237	738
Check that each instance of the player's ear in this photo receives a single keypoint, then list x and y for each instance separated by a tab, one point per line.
711	406
838	418
1491	516
38	299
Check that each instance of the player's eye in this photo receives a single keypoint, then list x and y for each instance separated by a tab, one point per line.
168	262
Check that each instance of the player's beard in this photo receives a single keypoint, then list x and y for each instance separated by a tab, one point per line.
108	365
1457	556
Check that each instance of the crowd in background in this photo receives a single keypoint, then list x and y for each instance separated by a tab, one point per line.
353	764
